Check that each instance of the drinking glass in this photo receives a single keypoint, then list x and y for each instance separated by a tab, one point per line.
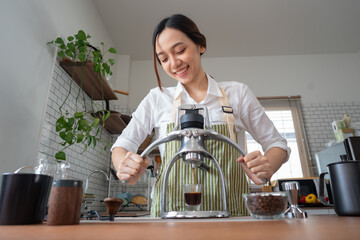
192	195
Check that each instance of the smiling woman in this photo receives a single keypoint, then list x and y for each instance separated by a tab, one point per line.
232	108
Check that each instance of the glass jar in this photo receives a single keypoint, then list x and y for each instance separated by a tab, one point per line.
50	167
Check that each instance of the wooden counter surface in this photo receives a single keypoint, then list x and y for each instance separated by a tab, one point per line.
313	228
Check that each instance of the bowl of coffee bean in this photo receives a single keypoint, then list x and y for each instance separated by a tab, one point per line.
266	205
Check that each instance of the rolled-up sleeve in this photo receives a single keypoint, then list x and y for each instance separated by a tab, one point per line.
258	124
139	127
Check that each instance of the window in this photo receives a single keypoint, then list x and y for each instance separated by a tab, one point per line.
285	113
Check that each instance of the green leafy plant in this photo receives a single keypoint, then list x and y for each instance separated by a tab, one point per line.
82	127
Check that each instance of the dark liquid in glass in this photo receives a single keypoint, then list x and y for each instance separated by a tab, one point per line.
193	198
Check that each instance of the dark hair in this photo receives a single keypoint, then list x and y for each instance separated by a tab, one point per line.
183	24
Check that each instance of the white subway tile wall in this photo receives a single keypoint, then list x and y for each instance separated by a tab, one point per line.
82	163
317	121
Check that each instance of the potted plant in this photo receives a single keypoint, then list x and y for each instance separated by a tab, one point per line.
81	127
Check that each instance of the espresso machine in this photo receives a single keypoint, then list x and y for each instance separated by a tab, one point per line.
192	129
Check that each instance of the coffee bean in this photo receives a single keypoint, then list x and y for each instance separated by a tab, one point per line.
268	205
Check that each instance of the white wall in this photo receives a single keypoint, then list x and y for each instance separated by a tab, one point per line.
317	78
121	80
142	79
26	65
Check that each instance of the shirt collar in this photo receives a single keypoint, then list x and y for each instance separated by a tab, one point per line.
213	88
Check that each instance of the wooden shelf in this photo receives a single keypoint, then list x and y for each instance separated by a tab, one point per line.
114	124
93	86
117	122
97	89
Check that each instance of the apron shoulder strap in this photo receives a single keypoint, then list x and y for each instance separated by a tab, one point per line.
176	105
224	102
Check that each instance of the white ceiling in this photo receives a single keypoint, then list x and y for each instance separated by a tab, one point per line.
240	27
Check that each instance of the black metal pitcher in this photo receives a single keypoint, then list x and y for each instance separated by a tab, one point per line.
345	186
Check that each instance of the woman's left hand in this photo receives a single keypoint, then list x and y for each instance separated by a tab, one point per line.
257	167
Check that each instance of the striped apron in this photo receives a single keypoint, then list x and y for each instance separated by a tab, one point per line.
181	172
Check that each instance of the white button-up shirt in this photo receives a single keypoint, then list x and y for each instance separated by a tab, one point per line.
155	112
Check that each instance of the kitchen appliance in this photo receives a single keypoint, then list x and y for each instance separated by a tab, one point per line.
306	186
24	198
192	129
348	149
344	181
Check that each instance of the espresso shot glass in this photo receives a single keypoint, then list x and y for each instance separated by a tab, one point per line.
192	195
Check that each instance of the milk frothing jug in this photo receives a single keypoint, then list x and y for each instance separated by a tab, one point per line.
345	187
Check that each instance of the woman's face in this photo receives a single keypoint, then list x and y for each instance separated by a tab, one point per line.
179	56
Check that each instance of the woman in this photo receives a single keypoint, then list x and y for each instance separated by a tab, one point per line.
177	47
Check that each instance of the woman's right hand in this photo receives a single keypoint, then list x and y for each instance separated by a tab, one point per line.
129	166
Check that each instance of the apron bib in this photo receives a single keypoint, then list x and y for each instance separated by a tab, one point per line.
181	173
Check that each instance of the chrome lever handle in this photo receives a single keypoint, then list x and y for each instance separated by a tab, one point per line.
217	136
175	135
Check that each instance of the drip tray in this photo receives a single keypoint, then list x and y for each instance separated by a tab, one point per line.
195	214
127	214
146	219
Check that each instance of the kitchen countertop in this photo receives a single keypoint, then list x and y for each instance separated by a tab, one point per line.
314	227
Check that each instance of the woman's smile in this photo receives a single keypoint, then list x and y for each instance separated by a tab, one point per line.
182	71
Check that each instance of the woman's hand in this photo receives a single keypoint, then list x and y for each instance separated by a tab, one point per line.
257	167
129	166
